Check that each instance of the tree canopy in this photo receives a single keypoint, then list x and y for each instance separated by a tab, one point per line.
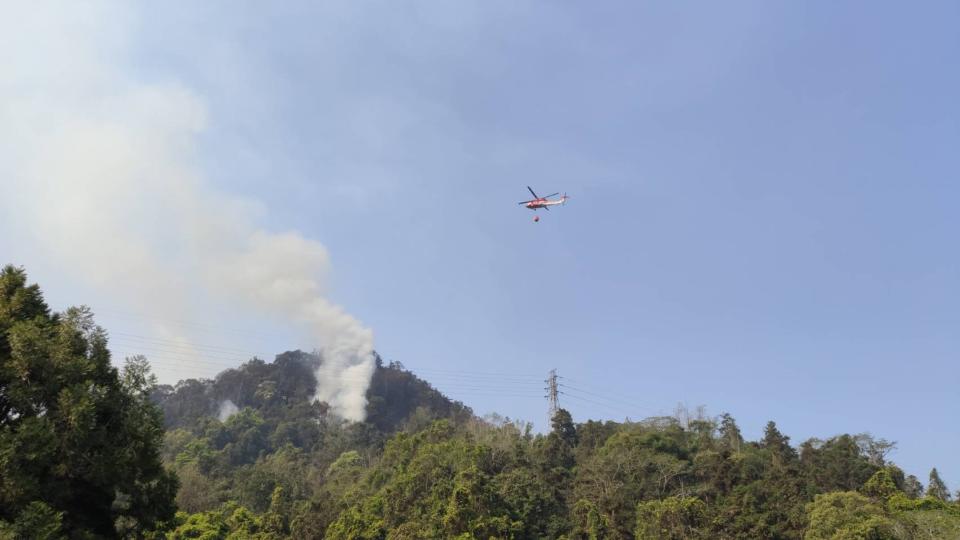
79	441
90	451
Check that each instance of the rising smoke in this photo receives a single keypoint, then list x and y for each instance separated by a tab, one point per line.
100	168
226	410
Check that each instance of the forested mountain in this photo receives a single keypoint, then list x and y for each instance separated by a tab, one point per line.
87	451
422	466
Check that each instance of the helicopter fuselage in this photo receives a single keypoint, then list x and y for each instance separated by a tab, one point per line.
543	203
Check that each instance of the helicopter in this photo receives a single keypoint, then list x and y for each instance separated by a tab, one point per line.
542	202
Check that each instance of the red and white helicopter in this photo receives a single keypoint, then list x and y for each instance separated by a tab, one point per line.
542	202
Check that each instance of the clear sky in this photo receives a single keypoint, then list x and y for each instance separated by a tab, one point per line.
762	216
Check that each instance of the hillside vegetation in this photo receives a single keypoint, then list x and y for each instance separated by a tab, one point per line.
87	451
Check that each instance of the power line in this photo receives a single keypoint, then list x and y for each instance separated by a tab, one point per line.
597	403
607	392
487	374
440	381
182	352
614	400
469	394
170	357
196	325
164	341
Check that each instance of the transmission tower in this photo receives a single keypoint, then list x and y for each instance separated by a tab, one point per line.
553	393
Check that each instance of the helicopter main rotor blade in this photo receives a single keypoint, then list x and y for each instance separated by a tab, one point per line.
535	196
551	195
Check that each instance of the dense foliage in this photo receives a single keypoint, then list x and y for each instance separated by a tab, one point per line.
250	454
429	469
79	442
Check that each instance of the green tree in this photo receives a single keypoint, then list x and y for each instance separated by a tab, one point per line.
532	503
848	516
880	486
730	436
562	424
474	508
202	526
635	464
433	484
559	444
912	487
837	464
74	433
589	523
768	494
673	518
778	445
36	521
936	488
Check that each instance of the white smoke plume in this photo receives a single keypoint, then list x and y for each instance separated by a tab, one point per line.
227	409
99	167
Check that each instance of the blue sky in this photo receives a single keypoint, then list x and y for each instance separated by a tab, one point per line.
763	198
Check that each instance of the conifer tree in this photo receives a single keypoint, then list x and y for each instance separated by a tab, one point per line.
936	488
730	433
778	444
